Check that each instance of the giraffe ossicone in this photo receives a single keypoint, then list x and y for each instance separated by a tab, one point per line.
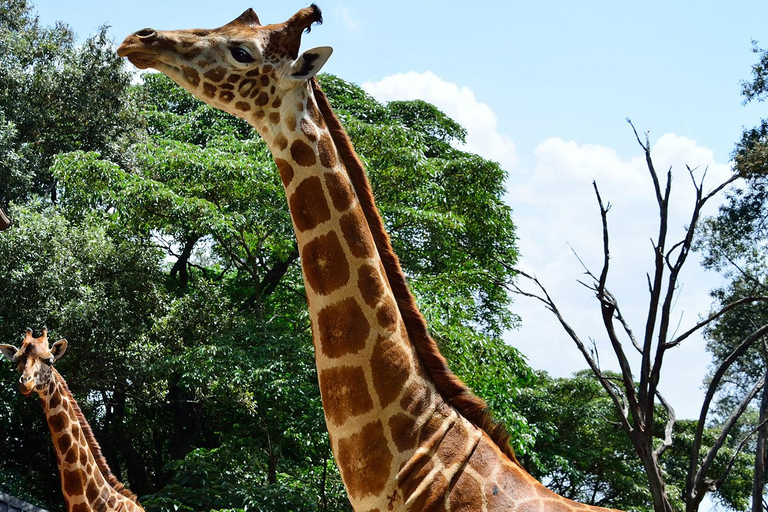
86	481
405	432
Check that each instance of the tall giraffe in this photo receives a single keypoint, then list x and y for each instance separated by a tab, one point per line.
86	481
405	432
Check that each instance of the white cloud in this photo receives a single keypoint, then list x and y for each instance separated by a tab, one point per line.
459	103
555	210
555	206
352	24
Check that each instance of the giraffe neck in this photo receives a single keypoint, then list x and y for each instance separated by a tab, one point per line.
381	408
86	481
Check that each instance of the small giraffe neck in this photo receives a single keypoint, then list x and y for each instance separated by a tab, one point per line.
86	480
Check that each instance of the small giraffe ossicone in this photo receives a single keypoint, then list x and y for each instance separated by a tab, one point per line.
405	432
86	481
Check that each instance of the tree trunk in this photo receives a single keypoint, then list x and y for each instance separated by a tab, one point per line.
644	448
760	453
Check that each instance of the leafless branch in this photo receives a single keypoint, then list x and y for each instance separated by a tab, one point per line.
714	317
695	476
593	364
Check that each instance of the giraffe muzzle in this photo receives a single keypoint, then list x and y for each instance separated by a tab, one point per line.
26	385
139	48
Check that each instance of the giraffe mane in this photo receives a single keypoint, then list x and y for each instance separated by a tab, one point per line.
450	387
85	427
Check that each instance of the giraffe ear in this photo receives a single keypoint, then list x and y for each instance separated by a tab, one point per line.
58	349
9	351
310	62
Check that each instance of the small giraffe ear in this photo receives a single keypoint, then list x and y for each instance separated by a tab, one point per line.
9	351
58	349
310	62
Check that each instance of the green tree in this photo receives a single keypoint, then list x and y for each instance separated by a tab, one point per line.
581	450
735	243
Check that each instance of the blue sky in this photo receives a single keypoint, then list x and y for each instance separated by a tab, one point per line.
544	88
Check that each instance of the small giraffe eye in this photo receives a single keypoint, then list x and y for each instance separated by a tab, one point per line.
241	55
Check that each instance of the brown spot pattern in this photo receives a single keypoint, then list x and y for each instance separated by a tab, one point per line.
357	234
314	113
390	369
290	121
302	154
370	284
404	431
71	457
64	442
245	87
58	421
417	399
285	170
339	189
324	263
226	96
209	90
454	445
192	76
345	393
91	491
308	130
465	493
483	459
327	151
242	105
262	99
342	328
216	75
72	482
274	117
308	205
387	314
364	460
55	400
281	141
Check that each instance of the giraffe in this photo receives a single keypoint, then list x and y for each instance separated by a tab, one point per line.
405	432
86	481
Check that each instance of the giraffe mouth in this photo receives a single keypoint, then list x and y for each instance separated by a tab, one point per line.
141	60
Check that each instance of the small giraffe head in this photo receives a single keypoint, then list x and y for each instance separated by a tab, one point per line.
242	68
34	361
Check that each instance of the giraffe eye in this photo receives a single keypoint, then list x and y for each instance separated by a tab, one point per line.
241	55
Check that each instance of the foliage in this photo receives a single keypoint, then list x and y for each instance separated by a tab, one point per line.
736	243
581	451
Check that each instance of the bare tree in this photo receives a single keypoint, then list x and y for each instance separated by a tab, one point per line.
635	394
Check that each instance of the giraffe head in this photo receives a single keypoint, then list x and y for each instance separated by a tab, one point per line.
242	67
34	361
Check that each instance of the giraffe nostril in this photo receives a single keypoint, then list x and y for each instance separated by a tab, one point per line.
146	33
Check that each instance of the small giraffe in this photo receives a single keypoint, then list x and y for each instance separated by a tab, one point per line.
86	481
405	432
